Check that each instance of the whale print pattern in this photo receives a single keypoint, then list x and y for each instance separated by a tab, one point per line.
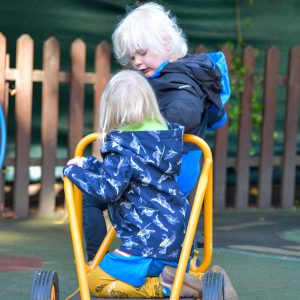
171	154
147	211
157	154
170	169
158	223
172	220
92	164
163	202
155	134
137	181
167	242
122	163
136	144
145	234
163	177
147	251
146	177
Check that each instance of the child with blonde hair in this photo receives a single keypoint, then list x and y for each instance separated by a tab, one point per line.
136	181
191	89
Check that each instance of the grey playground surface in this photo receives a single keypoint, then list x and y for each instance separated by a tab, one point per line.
260	250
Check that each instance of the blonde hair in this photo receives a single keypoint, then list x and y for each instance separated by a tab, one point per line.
148	27
127	99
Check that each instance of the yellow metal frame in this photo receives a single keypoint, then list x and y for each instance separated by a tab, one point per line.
203	195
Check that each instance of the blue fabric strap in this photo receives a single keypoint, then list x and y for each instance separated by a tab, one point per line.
218	59
189	172
157	72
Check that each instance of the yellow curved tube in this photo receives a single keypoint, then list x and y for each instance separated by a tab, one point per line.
204	191
74	206
83	143
76	240
203	194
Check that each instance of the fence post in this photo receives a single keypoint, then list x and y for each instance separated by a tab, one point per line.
200	49
267	139
23	110
244	134
51	66
290	130
2	104
2	69
77	87
102	75
220	156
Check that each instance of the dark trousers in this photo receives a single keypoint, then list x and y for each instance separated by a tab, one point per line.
94	226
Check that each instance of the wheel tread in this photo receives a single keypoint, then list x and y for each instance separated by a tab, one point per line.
42	283
213	286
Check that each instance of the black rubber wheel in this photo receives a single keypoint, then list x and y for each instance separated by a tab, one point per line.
45	286
213	286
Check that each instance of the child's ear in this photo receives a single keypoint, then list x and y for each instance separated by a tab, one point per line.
167	43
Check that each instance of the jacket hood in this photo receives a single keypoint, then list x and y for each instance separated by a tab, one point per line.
162	148
206	75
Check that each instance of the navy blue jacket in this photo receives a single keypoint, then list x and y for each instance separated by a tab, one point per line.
137	180
192	92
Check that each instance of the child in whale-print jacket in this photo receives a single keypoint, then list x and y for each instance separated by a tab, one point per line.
137	181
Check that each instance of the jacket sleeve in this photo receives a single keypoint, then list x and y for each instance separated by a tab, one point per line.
181	108
108	183
91	163
216	118
219	62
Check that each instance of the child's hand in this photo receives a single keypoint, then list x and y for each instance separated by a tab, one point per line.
74	161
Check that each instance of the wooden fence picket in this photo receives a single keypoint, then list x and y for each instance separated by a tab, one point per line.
2	104
200	49
102	75
50	92
23	111
267	139
244	134
2	68
291	130
77	90
220	156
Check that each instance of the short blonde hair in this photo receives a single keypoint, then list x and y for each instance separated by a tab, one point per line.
148	27
127	99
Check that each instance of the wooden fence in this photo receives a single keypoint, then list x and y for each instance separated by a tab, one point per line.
24	76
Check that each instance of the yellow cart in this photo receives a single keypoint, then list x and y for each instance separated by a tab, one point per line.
45	283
